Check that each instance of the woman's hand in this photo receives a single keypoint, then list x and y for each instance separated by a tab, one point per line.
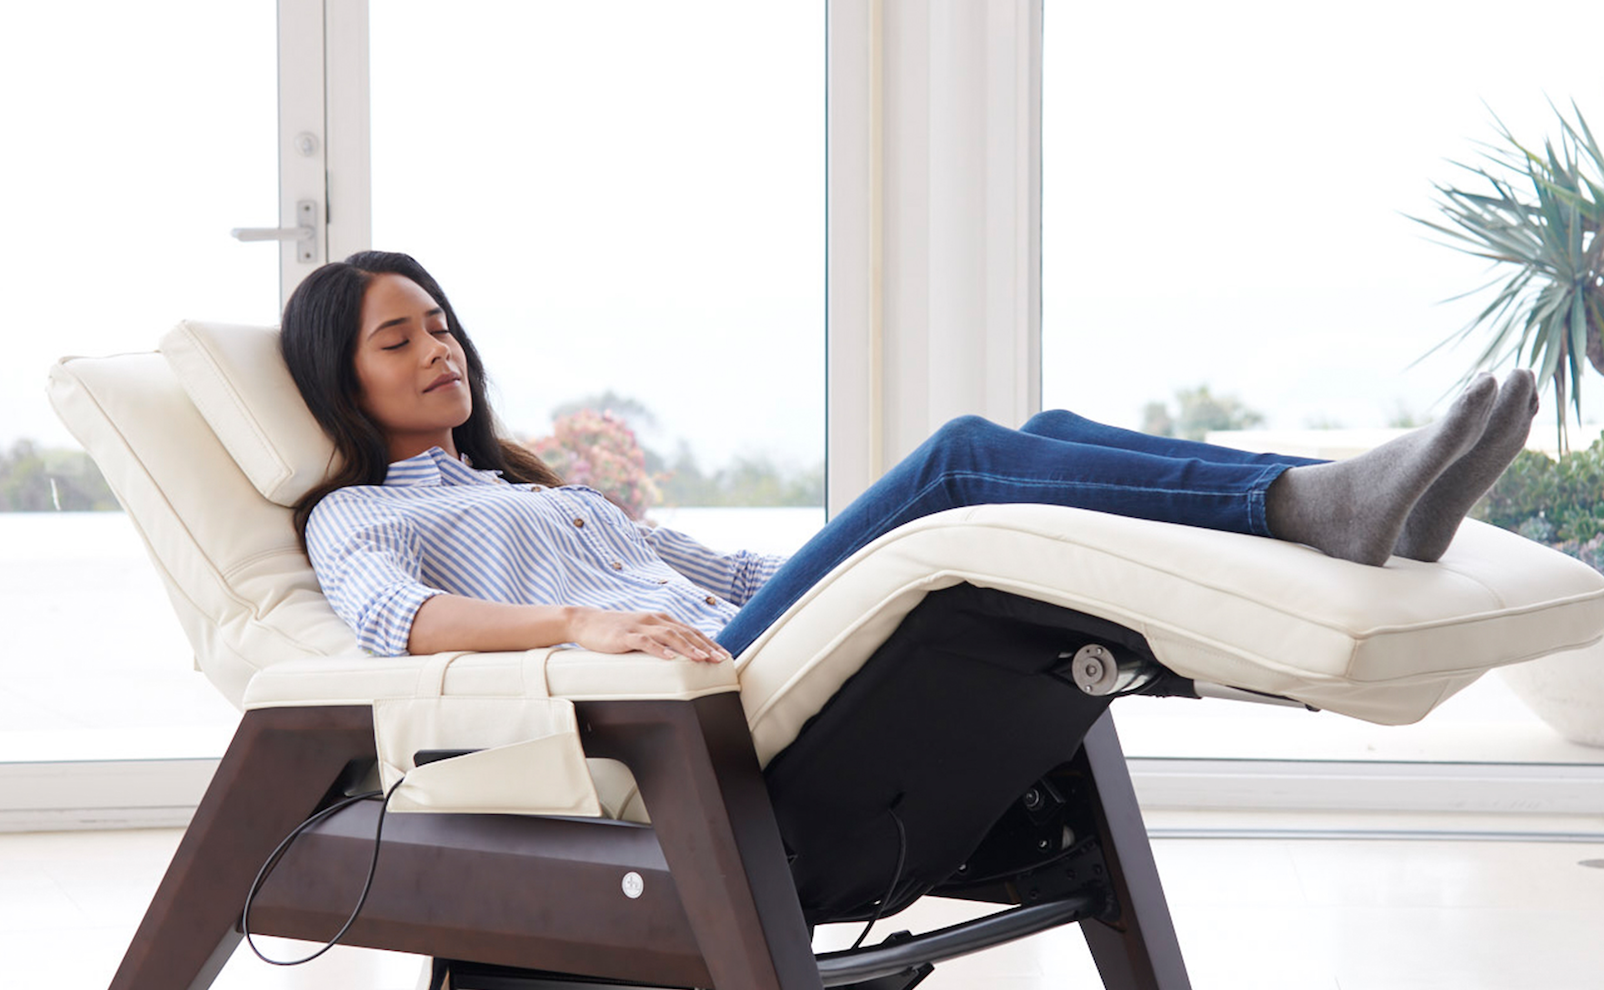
452	622
605	631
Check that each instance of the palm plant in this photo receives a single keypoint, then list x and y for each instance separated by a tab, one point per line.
1537	218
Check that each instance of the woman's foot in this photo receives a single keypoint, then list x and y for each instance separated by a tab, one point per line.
1356	508
1432	523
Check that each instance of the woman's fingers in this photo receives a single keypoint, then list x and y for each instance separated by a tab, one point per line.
665	636
702	647
681	640
648	632
661	649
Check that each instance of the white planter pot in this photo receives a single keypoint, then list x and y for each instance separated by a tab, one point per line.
1565	690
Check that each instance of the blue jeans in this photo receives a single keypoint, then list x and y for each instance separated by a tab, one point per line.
1057	458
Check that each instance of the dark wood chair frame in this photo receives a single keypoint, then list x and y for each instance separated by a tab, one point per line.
505	901
717	907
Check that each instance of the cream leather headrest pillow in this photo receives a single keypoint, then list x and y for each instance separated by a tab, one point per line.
239	382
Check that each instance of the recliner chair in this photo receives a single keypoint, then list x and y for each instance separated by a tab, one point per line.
929	720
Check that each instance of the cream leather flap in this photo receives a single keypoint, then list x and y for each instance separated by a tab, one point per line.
526	759
529	760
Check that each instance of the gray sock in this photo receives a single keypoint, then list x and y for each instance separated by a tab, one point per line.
1355	509
1436	517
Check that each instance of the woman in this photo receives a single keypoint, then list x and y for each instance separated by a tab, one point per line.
437	534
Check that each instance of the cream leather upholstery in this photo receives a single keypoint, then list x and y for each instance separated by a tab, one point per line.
235	378
206	443
578	675
243	590
1386	644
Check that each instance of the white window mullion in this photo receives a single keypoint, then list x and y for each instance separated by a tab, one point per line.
350	168
302	140
934	224
855	301
323	130
1013	182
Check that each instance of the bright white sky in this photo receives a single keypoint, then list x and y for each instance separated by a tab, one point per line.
630	195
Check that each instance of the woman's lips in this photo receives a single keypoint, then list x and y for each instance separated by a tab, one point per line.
446	379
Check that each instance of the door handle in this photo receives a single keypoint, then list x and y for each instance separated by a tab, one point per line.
305	235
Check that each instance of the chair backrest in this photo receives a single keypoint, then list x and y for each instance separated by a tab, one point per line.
206	444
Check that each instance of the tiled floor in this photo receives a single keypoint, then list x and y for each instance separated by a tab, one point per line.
1251	914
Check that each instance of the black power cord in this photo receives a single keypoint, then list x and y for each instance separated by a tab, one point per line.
283	847
896	875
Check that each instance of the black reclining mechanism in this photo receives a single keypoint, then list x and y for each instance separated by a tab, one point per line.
964	751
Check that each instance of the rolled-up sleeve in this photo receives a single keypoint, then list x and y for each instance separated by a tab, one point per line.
368	562
735	577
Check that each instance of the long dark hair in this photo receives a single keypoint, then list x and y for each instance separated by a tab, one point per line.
318	339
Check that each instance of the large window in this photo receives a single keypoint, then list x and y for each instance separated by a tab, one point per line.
625	202
137	136
1226	198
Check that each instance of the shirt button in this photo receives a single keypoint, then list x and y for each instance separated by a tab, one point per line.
662	580
580	523
617	566
710	600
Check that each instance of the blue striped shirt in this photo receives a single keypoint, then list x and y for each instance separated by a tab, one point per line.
437	526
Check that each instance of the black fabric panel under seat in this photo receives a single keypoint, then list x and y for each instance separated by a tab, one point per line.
949	721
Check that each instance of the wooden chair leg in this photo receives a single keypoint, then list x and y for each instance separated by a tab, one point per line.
438	976
1140	950
279	766
700	779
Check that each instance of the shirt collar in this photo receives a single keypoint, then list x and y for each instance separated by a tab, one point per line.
435	467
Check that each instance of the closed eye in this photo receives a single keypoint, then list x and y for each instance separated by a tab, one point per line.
443	331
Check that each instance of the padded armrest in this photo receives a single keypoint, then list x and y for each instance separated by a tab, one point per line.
498	678
576	675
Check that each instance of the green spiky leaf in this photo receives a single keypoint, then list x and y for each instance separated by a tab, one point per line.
1535	216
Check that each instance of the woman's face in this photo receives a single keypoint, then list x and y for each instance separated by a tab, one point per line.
409	368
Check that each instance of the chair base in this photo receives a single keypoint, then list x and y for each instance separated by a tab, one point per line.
718	904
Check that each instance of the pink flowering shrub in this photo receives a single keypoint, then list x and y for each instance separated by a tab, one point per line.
599	450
